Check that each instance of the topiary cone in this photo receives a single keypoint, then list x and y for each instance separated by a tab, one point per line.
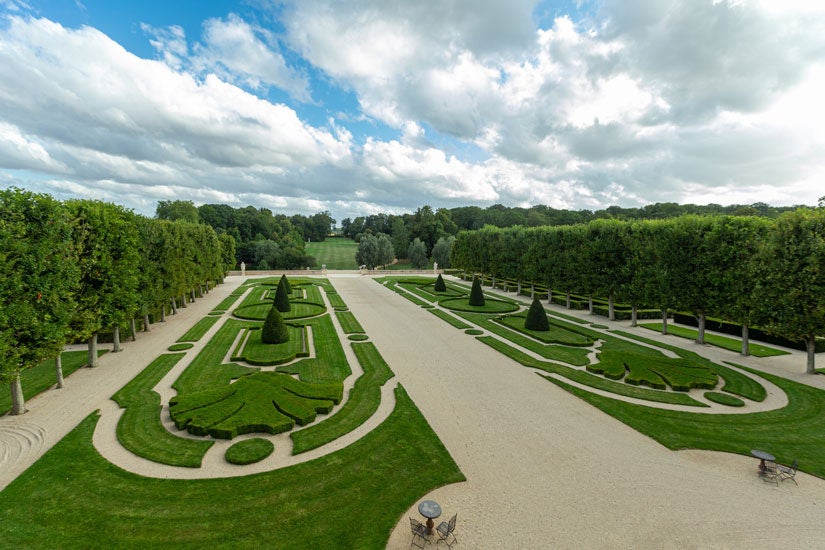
282	297
476	295
274	331
285	282
439	284
536	317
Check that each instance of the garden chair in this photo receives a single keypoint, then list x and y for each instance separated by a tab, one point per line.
446	530
419	533
785	472
770	472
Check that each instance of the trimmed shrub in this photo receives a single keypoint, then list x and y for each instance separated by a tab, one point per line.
282	297
439	284
284	281
274	331
476	295
536	317
249	451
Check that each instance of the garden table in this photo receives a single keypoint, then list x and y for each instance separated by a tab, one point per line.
762	456
430	509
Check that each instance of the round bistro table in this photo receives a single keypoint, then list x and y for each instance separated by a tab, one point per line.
430	509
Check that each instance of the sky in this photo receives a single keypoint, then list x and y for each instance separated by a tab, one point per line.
360	107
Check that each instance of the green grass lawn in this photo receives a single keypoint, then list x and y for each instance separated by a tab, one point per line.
336	253
73	498
725	342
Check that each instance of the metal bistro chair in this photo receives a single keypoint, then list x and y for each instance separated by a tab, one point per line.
446	530
770	472
419	533
785	472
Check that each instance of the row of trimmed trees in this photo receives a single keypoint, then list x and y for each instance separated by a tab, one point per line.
747	270
73	270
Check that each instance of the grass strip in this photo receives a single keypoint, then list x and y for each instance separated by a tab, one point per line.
724	399
335	300
43	376
724	342
330	363
452	319
364	399
349	324
140	429
196	332
309	505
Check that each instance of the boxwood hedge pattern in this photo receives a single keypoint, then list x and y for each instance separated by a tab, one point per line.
611	364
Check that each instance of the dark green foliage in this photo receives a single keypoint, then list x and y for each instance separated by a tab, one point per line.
284	281
536	317
274	330
249	451
267	402
476	295
282	296
439	284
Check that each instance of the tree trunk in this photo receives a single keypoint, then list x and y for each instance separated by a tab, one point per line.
492	279
182	303
58	370
132	329
174	305
634	316
700	337
664	320
746	346
93	350
162	314
192	296
532	291
18	404
116	339
568	300
146	322
611	312
590	309
207	287
518	290
549	295
811	345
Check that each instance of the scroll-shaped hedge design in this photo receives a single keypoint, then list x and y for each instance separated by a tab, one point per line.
268	402
656	372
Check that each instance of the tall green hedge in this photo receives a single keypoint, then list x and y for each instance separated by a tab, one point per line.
282	296
439	284
274	331
536	317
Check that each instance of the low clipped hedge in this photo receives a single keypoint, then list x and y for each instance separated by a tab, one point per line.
556	333
249	451
491	305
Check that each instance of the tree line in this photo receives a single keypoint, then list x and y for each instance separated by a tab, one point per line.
429	226
753	271
76	269
263	240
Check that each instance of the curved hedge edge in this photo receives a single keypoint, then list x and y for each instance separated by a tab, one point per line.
181	346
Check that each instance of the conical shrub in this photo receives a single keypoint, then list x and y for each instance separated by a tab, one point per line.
282	297
476	295
274	331
439	284
285	282
536	317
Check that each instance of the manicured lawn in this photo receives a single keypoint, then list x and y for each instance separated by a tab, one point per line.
349	324
725	342
140	429
42	376
73	498
196	332
336	253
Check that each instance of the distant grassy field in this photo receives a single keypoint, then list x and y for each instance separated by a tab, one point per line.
336	253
